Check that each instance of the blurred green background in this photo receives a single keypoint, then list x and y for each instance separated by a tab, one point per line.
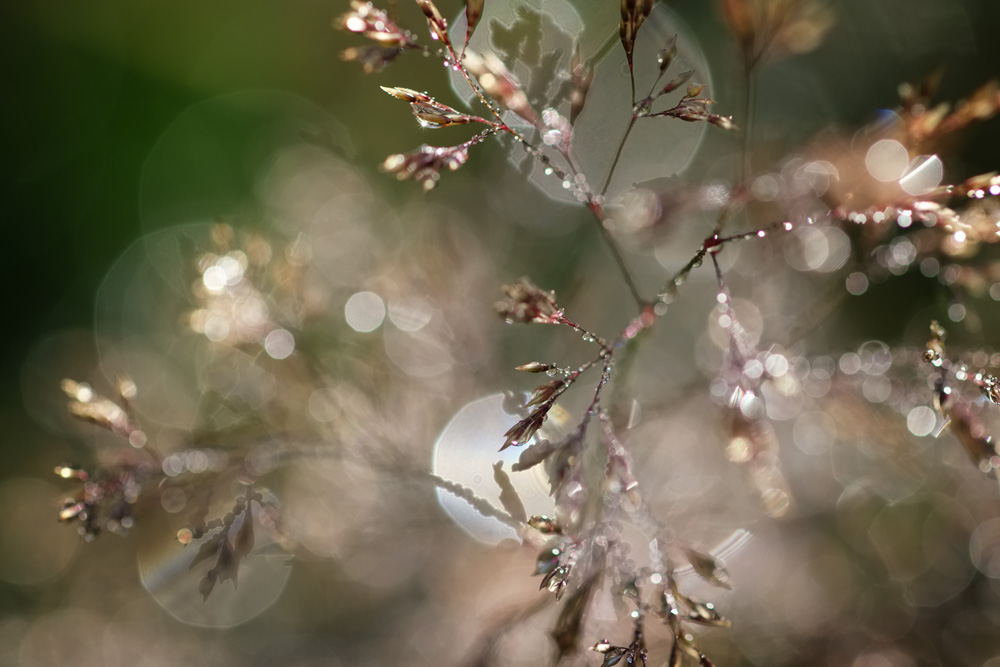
91	87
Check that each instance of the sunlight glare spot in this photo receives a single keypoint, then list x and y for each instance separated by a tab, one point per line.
924	175
279	344
364	311
215	278
956	312
887	160
411	314
232	269
857	283
216	328
466	452
921	420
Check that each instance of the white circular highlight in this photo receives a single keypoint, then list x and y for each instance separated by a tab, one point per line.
887	160
817	249
921	420
215	278
465	453
924	175
814	432
984	548
216	328
410	315
857	283
956	312
364	311
279	344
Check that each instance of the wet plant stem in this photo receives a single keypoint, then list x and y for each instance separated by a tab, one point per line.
599	218
631	78
625	363
618	154
595	207
598	211
749	107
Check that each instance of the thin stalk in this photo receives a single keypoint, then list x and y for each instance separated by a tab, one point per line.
749	108
625	363
598	212
631	78
599	216
618	153
594	207
671	287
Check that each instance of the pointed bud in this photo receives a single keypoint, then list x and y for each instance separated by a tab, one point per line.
206	585
695	89
473	12
206	550
667	54
244	542
708	567
227	566
509	497
534	367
